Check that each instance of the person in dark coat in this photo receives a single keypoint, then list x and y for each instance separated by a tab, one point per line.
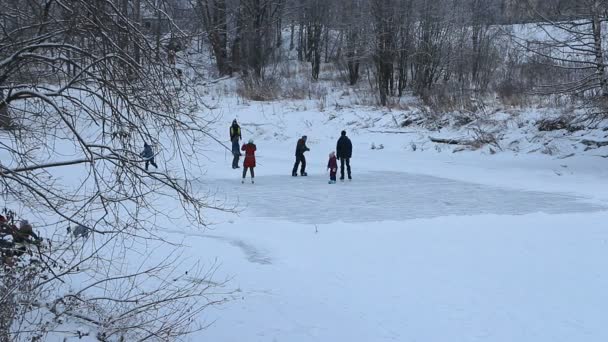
344	150
300	149
235	138
171	57
249	162
148	155
332	165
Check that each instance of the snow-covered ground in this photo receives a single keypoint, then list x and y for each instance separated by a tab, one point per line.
502	243
424	245
429	242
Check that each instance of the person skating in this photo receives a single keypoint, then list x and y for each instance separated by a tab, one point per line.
332	165
344	150
249	162
235	138
148	156
300	149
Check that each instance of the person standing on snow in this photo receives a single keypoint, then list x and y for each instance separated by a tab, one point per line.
249	162
171	57
300	149
148	156
235	137
345	152
332	165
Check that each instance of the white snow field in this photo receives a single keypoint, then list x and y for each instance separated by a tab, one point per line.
421	245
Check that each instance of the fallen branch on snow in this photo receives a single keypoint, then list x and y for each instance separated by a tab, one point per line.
392	132
451	141
593	143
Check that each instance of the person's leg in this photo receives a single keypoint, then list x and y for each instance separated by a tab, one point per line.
303	169
236	153
147	163
252	173
348	168
342	168
153	163
295	166
244	172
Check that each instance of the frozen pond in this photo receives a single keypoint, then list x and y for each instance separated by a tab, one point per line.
388	196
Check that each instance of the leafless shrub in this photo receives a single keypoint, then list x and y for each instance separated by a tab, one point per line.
463	118
259	89
295	90
512	93
555	124
444	99
482	137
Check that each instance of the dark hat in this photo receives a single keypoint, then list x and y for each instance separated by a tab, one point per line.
343	132
304	137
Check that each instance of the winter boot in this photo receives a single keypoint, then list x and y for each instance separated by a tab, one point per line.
304	174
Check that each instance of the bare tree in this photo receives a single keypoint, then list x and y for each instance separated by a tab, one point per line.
257	23
214	16
384	52
573	48
313	20
352	23
81	105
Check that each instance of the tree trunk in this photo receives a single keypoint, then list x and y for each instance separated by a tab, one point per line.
158	30
316	30
124	35
137	17
326	44
236	44
5	119
301	42
598	47
291	46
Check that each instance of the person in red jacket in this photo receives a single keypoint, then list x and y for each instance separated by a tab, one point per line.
249	162
332	165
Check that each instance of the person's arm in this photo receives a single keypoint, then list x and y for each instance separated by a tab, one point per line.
350	147
338	149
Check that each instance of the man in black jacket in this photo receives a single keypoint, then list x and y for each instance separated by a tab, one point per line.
344	151
235	137
300	149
